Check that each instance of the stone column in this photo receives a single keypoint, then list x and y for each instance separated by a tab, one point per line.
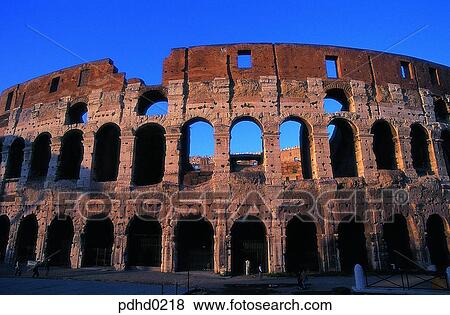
220	247
272	162
53	163
119	246
322	148
86	165
275	246
125	172
168	249
221	173
26	164
76	250
172	162
367	165
4	161
41	238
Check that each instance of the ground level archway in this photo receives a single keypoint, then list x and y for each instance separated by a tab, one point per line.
143	242
26	239
97	241
352	245
248	242
301	245
4	236
59	241
194	242
396	237
437	242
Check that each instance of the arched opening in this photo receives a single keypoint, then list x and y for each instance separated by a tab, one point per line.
149	155
445	143
40	156
152	103
440	111
144	242
106	153
4	236
59	241
197	151
301	245
437	242
15	159
419	150
77	114
194	241
71	155
246	145
248	242
384	145
336	101
295	150
352	245
342	148
97	241
396	236
26	239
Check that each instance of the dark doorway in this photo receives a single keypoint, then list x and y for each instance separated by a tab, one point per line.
194	239
352	245
383	145
437	242
15	159
342	148
301	245
59	241
144	242
40	156
248	242
396	236
26	239
149	155
445	137
97	242
4	236
71	155
419	150
106	153
440	111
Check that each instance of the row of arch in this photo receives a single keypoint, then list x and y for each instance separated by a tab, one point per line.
150	150
194	243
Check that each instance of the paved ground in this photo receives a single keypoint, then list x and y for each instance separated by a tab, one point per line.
74	287
105	281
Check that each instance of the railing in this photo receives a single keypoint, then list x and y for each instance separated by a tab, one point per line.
406	280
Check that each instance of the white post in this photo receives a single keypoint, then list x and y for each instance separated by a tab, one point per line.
359	277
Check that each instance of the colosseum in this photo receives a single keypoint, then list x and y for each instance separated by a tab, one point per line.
90	176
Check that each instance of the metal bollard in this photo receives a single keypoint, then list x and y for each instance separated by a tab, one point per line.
359	277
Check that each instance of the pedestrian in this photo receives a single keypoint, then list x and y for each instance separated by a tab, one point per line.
301	279
36	270
17	269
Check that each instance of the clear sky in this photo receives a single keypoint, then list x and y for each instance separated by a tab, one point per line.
40	37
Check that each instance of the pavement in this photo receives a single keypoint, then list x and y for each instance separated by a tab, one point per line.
108	281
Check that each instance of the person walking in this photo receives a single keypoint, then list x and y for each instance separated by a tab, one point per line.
17	269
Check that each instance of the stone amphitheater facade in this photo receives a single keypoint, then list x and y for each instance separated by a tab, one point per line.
112	191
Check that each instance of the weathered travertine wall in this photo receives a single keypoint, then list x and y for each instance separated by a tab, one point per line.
205	83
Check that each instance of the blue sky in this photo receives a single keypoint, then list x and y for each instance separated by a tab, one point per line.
38	38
